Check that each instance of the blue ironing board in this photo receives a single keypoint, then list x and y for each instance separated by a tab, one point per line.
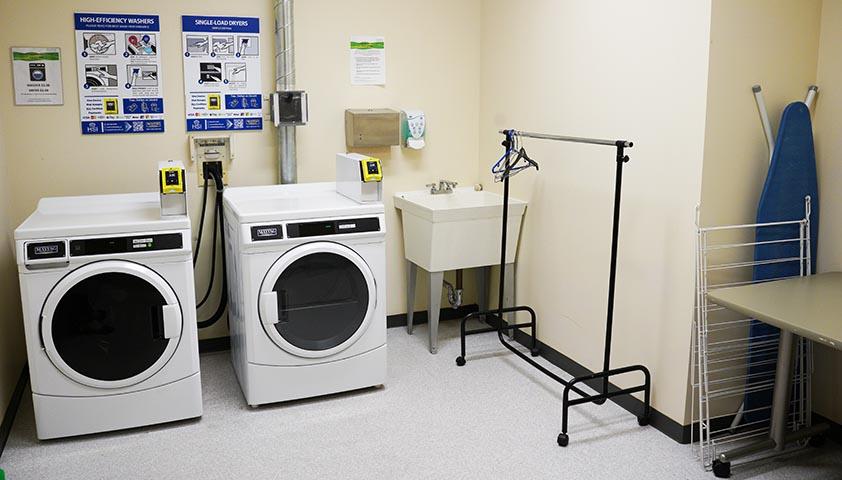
791	177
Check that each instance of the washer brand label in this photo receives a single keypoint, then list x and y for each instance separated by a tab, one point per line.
266	232
346	226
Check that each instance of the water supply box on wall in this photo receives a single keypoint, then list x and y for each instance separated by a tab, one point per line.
377	127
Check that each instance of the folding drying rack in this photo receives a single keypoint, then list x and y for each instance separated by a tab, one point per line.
727	361
496	316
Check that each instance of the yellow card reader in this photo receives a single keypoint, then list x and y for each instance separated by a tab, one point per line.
171	186
359	177
371	169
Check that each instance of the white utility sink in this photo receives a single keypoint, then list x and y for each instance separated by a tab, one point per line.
456	230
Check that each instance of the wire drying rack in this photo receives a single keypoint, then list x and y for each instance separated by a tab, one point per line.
726	365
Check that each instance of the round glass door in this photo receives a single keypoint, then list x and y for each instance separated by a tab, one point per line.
111	324
317	299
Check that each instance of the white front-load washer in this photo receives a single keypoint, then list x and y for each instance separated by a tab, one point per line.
109	314
307	291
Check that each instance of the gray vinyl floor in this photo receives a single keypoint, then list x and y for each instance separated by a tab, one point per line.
494	418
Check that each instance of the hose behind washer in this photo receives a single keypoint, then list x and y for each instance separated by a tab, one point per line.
223	299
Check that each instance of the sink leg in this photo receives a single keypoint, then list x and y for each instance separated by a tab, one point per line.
434	307
483	276
411	273
509	295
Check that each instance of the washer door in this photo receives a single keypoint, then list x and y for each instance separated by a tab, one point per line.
317	299
111	324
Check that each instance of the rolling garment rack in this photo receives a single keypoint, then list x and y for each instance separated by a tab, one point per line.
513	161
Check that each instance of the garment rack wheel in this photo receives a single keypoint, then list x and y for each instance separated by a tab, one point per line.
563	439
460	361
721	469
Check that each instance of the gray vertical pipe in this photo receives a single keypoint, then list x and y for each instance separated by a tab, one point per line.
285	80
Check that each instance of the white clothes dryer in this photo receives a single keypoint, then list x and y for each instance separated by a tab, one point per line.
109	314
307	291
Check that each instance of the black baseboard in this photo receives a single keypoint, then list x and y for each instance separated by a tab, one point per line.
664	424
835	432
217	344
399	320
12	408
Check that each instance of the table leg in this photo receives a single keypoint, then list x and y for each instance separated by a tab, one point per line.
434	307
783	385
411	273
778	437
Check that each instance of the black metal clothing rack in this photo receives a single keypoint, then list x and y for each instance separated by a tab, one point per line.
501	326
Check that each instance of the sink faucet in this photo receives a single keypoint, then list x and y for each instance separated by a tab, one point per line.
444	186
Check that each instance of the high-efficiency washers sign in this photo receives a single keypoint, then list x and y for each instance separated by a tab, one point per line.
119	73
222	73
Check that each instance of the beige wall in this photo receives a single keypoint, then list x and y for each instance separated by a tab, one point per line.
828	117
433	64
773	43
604	69
12	350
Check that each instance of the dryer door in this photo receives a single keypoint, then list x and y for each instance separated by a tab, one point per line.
111	324
317	299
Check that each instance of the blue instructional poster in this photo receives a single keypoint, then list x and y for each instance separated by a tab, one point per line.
118	63
222	73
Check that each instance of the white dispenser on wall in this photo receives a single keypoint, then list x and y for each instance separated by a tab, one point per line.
413	128
359	177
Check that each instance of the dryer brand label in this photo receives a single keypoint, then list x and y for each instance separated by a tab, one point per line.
345	226
266	232
44	250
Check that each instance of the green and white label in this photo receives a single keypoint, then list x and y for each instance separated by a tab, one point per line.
368	60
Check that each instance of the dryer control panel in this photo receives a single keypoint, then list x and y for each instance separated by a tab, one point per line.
333	227
136	243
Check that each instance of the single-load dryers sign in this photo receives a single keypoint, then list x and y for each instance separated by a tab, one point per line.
119	73
222	73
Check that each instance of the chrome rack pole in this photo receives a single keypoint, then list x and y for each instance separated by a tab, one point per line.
563	138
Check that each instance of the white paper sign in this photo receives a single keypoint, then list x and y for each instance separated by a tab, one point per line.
37	76
118	63
368	60
222	73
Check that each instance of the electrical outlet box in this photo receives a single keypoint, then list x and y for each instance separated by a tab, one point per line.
377	127
211	149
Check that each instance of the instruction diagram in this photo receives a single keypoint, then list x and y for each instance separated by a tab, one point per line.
119	67
222	73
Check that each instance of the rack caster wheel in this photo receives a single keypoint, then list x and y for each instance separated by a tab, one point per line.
563	440
600	401
643	421
460	361
816	441
721	469
535	352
